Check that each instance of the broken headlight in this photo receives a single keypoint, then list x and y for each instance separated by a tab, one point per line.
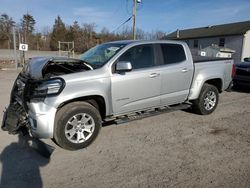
47	88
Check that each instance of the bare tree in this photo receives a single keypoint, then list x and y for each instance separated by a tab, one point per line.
6	24
89	35
28	26
159	35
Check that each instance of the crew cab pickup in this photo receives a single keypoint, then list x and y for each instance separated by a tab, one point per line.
68	100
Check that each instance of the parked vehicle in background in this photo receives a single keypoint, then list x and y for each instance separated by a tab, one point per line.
242	76
247	59
68	99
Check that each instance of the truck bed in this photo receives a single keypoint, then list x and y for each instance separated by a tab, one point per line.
211	68
200	59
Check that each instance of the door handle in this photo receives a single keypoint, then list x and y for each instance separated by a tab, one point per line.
184	70
153	75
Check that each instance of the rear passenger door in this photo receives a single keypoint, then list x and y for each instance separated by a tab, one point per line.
140	88
176	74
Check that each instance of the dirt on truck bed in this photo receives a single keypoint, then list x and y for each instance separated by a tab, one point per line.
177	149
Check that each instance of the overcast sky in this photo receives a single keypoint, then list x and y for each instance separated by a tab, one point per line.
165	15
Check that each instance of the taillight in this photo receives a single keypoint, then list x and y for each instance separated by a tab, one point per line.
233	70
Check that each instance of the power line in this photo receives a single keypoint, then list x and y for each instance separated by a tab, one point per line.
135	2
129	6
123	23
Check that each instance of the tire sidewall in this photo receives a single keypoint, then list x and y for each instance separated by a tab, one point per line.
204	92
65	116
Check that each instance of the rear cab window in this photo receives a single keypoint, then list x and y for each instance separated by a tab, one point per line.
173	53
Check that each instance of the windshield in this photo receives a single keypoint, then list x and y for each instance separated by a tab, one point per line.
101	54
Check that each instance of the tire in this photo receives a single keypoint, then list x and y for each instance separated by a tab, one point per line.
207	101
76	125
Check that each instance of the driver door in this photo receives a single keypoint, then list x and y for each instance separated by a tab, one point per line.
140	88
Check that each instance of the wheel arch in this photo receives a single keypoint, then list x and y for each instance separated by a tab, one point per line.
217	82
198	84
95	100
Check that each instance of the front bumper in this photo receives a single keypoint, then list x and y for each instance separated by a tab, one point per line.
22	112
41	119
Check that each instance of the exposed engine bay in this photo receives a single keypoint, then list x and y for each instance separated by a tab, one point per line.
46	67
60	67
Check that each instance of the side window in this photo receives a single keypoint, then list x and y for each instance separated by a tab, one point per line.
173	53
141	56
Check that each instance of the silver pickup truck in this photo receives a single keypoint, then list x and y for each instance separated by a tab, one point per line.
68	100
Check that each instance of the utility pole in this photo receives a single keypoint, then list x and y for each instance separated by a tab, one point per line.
134	20
134	17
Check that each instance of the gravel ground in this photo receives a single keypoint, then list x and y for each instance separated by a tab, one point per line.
177	149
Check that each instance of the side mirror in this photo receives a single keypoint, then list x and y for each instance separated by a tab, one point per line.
123	66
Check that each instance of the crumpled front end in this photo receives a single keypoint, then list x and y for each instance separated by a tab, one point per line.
29	114
39	79
15	116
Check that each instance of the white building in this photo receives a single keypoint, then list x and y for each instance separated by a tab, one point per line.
235	36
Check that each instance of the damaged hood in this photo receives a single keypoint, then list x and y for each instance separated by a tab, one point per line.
36	67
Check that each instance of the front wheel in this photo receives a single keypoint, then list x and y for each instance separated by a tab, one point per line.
76	125
207	101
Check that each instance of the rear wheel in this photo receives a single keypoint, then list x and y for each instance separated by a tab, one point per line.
207	101
77	125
